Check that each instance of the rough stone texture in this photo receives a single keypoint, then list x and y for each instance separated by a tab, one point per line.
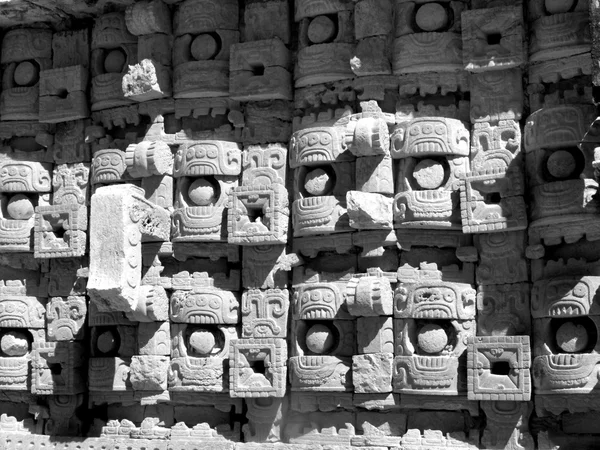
400	194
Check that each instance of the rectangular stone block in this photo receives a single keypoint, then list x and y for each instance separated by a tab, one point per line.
498	368
375	335
265	313
58	368
257	368
372	373
493	38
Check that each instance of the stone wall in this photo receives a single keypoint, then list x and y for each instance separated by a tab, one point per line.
312	225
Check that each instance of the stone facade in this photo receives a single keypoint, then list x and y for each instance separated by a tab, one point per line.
307	224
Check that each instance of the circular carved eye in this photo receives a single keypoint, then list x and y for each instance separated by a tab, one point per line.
325	139
440	130
415	130
212	152
115	161
579	290
313	139
200	153
427	129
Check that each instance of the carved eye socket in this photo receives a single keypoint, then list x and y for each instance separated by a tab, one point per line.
579	290
212	152
12	171
303	142
325	139
23	172
551	291
190	154
328	297
115	161
440	130
415	130
4	173
427	129
305	298
105	161
315	296
313	139
200	153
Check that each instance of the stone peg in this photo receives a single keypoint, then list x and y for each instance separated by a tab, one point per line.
370	296
370	136
149	158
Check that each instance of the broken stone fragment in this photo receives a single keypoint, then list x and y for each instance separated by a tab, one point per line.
369	211
148	80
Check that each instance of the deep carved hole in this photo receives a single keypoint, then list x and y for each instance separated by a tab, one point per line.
493	197
500	368
59	232
258	70
258	366
62	93
55	369
494	38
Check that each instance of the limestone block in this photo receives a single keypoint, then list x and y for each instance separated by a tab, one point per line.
67	276
63	94
373	18
153	338
65	317
375	174
259	70
323	63
369	295
149	158
25	53
264	164
503	310
121	213
267	121
493	38
368	211
372	373
492	200
489	99
258	215
501	258
149	372
559	35
498	368
426	375
324	180
57	368
157	48
71	48
204	305
314	146
113	50
21	176
508	425
22	311
265	419
320	373
147	17
413	17
257	368
267	267
265	313
372	57
60	231
324	300
199	357
427	52
70	184
109	166
70	144
147	80
332	338
112	334
379	429
267	20
320	215
375	335
196	17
